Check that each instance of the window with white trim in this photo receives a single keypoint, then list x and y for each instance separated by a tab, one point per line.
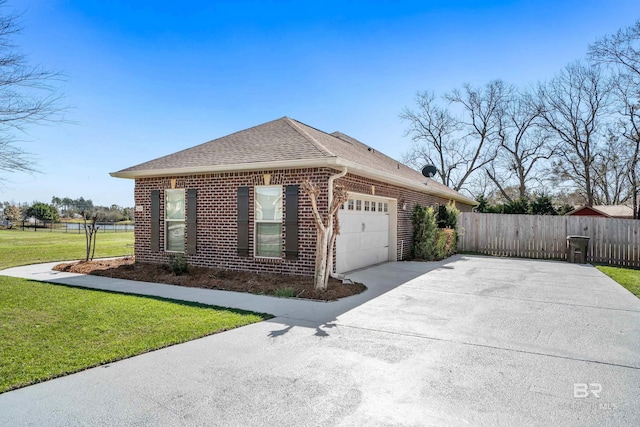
174	220
268	221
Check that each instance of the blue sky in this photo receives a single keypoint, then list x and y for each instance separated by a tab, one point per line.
145	79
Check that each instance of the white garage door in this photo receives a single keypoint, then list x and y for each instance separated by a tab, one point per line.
364	234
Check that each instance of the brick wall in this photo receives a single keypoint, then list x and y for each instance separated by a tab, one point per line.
217	219
217	216
358	184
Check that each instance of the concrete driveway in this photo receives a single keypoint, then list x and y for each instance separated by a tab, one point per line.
469	341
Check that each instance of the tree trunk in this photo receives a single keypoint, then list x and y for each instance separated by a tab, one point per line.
93	249
335	227
327	229
522	188
87	237
321	262
588	186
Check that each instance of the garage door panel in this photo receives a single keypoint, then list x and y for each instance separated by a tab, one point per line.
375	228
349	222
362	258
363	238
377	222
346	245
376	238
376	255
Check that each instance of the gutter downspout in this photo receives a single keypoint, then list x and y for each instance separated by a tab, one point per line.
331	180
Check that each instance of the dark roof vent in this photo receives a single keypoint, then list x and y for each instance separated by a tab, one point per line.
429	171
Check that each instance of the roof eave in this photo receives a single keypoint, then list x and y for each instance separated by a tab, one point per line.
293	164
254	166
403	182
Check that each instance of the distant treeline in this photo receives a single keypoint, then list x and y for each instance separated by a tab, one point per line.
64	208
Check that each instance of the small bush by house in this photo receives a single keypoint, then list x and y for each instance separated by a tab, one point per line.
434	232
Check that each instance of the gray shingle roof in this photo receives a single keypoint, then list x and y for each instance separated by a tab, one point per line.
616	211
282	140
272	141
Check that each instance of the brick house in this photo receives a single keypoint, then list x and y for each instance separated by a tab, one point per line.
236	202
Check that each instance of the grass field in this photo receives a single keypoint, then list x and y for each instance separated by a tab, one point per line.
628	278
28	247
50	330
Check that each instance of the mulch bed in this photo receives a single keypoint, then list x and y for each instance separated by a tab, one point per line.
209	278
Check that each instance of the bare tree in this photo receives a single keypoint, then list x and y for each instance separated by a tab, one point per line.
12	213
90	234
628	96
611	172
27	96
434	132
572	106
482	112
503	195
621	52
458	147
328	228
523	146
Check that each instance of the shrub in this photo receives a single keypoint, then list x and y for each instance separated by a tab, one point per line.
178	264
448	216
12	213
431	243
445	243
542	205
517	207
442	216
424	232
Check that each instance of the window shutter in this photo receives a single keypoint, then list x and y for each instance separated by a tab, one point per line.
155	220
192	219
291	222
243	221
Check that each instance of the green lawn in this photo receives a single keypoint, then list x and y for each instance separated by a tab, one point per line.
50	330
28	247
627	277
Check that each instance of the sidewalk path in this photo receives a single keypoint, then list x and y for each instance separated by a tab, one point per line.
378	281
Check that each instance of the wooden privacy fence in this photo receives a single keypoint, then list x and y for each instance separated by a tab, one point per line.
612	241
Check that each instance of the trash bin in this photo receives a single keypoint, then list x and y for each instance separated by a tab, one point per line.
577	247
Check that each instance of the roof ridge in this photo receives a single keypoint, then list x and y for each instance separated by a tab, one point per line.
357	142
345	137
220	137
296	125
